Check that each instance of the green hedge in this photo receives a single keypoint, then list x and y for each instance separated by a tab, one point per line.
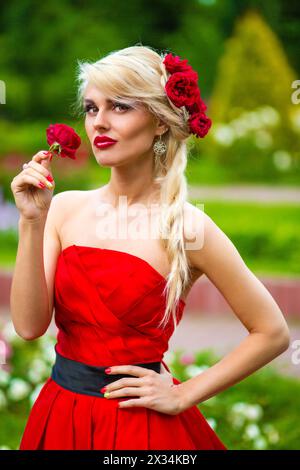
266	235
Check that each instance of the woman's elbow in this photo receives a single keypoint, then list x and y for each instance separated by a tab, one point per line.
27	335
282	338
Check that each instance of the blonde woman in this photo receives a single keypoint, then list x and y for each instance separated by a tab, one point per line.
117	264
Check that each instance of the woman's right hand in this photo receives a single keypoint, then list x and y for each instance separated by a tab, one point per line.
31	199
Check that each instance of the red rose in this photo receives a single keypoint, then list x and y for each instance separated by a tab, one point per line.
63	140
176	64
182	88
199	124
198	107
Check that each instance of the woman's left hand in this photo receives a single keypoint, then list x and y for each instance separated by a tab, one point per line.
155	391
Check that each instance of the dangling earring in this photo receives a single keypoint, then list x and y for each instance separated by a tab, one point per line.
159	147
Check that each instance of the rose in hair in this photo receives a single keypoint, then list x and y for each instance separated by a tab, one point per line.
199	124
182	88
176	64
198	107
63	140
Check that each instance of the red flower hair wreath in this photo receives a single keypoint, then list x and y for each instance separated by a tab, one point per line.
183	90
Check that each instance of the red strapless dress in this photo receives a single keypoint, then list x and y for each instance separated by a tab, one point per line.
107	304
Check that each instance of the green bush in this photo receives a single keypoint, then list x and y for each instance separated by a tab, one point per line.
255	132
248	415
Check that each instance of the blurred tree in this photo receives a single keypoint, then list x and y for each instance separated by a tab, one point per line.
40	42
283	17
251	105
254	71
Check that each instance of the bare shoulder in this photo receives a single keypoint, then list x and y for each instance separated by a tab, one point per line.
206	243
62	204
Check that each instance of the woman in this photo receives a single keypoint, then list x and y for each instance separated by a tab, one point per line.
119	294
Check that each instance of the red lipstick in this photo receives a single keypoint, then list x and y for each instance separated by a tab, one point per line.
103	141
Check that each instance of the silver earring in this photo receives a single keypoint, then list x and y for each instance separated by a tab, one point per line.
159	147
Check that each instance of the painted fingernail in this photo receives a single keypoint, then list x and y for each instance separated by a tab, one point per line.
49	185
106	394
46	153
108	370
103	389
42	185
49	178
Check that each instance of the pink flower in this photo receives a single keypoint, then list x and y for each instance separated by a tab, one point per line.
187	359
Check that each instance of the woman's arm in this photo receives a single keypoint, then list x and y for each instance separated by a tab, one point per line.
31	295
250	301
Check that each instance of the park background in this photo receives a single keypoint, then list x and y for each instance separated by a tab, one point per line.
245	172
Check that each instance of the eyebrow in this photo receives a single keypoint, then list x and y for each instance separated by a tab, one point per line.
88	100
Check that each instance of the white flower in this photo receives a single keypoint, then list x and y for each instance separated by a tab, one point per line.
38	369
34	376
3	400
260	443
4	377
263	139
282	159
193	370
35	393
18	389
253	412
250	412
240	127
239	407
252	431
212	422
269	116
48	348
240	412
223	134
254	120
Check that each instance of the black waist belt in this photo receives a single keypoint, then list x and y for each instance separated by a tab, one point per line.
83	378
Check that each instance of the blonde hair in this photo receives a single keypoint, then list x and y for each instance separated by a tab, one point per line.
137	74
